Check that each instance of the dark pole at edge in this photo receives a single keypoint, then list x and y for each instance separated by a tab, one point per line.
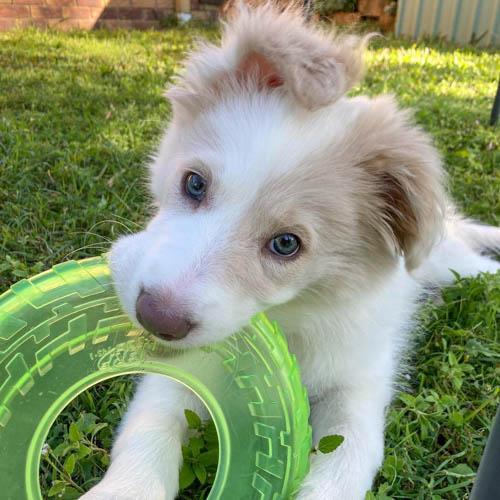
496	107
487	482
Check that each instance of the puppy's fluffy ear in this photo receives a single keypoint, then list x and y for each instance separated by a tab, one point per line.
265	47
407	202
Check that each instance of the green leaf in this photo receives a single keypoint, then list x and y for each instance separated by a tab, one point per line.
20	273
196	444
200	472
456	419
71	494
209	458
98	427
58	450
186	476
74	433
210	433
452	359
83	451
69	464
381	492
57	488
193	420
212	445
88	420
407	399
447	400
390	467
327	444
461	470
186	452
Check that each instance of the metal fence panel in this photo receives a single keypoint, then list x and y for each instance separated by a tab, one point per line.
459	21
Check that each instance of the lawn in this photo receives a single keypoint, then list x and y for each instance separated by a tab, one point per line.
79	114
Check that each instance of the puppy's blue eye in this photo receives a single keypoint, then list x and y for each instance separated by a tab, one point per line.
196	186
285	245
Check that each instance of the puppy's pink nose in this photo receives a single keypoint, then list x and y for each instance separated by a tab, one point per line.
160	317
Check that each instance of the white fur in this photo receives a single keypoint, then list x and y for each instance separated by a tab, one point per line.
346	305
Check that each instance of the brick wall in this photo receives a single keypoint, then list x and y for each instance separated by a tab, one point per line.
141	14
87	14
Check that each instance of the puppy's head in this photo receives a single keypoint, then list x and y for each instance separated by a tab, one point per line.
270	184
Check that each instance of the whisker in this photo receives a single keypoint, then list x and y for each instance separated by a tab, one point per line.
89	233
114	222
127	220
92	246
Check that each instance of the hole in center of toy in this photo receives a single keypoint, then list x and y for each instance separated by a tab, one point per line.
76	452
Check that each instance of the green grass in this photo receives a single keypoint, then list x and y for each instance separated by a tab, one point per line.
79	114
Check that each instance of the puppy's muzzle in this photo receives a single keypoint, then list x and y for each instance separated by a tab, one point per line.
159	314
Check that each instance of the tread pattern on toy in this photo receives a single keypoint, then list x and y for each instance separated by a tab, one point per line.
63	330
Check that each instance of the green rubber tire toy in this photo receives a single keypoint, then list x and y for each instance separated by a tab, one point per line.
63	331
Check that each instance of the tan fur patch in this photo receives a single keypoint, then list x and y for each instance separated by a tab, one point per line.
407	202
316	67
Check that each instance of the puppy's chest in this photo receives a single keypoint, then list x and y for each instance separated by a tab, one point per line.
326	363
333	355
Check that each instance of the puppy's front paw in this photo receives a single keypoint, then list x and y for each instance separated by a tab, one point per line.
98	493
325	492
331	479
130	490
95	494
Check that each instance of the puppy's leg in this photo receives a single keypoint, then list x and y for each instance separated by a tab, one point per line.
358	415
453	253
146	455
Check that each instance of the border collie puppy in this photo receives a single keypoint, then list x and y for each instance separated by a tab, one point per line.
275	192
